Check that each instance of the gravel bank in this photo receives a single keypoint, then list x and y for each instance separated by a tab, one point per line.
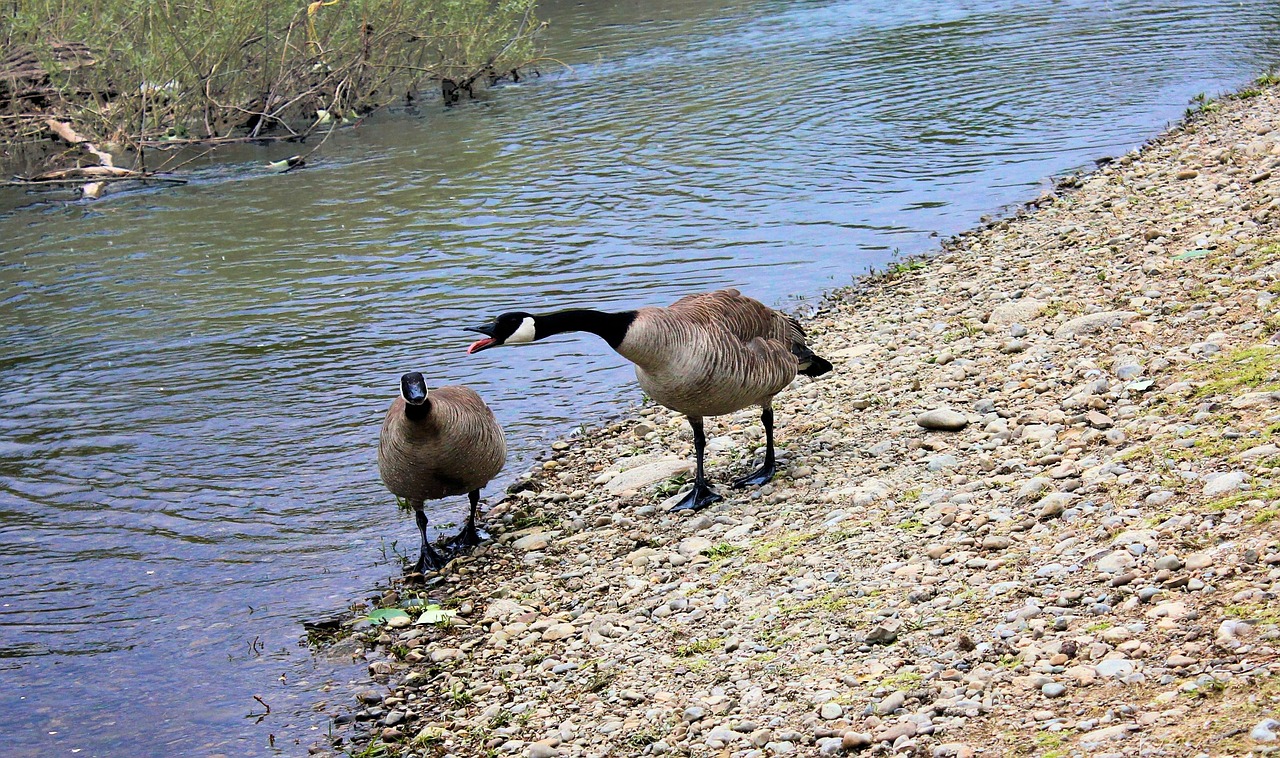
1035	509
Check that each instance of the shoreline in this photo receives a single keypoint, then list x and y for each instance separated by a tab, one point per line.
1085	564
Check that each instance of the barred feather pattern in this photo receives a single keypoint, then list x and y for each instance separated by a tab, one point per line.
456	448
714	353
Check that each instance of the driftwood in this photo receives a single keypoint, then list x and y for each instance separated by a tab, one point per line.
105	170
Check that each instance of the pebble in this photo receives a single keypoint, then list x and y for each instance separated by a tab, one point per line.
1093	322
942	419
1115	667
1224	484
1264	731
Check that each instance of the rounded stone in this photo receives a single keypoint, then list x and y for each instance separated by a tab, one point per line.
942	420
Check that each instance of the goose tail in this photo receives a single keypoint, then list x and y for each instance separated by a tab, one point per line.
811	364
815	366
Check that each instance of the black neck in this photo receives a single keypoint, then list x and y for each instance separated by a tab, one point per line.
417	412
611	327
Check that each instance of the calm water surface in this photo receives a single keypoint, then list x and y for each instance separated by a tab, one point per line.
192	378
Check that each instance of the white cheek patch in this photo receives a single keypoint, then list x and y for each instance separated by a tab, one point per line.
523	335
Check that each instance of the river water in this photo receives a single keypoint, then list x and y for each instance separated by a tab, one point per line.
193	377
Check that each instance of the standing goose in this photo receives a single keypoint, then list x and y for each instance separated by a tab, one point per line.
704	355
432	447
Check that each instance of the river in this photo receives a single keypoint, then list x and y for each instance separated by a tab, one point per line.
193	377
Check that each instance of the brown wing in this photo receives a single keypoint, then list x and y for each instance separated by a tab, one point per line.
744	317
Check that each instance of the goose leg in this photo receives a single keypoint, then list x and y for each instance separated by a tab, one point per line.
765	472
427	557
470	536
701	495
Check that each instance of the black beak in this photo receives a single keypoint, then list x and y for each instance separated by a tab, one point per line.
486	330
414	388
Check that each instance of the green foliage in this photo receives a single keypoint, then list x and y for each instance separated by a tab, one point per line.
173	68
384	615
1256	367
722	550
902	267
700	646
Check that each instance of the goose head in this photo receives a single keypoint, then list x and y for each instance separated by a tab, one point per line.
413	388
516	328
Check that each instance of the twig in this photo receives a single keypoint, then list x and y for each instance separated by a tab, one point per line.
71	181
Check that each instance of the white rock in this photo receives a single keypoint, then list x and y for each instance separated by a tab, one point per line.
649	473
691	547
1092	322
535	541
1265	731
1116	561
1224	484
1114	667
1016	311
1255	400
942	419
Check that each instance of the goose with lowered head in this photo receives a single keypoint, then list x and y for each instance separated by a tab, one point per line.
435	445
704	355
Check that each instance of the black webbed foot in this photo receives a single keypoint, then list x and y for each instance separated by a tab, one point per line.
428	560
469	537
698	498
762	475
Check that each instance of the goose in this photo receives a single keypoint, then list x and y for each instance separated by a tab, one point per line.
704	355
437	445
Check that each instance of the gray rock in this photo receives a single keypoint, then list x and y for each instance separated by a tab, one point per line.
1114	667
1261	451
1116	561
1224	484
1017	311
369	696
542	750
558	632
942	462
1265	731
1053	504
649	473
1118	732
691	547
1168	563
1092	322
886	633
891	703
531	542
831	711
1054	689
724	735
942	419
1255	400
891	733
